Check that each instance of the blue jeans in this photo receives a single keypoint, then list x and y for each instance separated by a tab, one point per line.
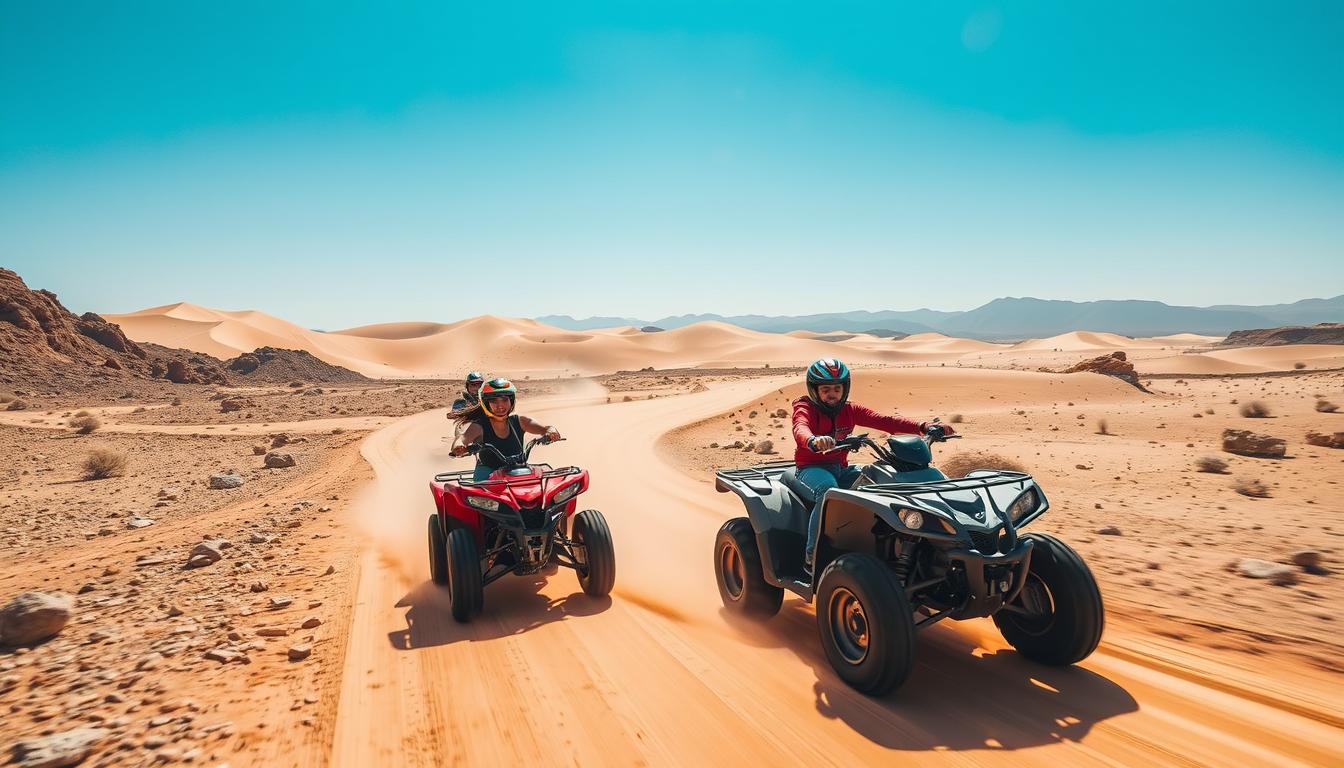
481	472
819	478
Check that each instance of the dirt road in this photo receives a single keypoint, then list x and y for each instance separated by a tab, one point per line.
656	675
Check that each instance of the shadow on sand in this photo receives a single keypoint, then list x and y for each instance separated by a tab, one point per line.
956	698
513	605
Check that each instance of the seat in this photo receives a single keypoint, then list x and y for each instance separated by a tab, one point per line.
789	479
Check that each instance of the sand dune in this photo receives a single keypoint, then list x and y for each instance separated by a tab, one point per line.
522	347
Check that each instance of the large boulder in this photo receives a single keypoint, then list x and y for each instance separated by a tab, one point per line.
1244	442
1274	573
278	460
1115	364
1335	440
224	481
33	617
58	749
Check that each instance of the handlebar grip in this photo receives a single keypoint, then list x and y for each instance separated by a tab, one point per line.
473	449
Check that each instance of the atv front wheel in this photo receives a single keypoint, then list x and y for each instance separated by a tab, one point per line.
438	552
737	568
866	625
465	590
1057	618
594	553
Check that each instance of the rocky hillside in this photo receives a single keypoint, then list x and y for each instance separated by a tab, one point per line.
45	345
1323	333
280	366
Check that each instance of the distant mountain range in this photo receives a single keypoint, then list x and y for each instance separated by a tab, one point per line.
1015	318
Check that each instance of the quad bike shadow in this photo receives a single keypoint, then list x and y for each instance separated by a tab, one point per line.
957	698
521	608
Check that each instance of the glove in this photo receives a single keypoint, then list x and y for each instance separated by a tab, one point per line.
820	443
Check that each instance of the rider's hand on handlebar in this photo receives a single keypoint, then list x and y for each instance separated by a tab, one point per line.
821	443
939	431
553	435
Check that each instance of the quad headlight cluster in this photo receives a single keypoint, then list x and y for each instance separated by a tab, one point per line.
1025	505
566	494
919	521
481	502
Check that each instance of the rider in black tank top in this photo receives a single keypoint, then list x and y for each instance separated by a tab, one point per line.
509	446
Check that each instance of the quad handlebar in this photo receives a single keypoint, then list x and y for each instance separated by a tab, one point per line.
516	461
934	433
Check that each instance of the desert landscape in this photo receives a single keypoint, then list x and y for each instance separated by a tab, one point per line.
213	535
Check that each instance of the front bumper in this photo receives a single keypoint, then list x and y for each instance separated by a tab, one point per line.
986	576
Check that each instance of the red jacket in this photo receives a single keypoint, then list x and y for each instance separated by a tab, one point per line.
809	421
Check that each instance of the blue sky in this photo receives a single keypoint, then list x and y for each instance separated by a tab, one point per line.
342	164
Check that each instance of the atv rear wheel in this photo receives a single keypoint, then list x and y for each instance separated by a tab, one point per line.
737	568
438	552
866	625
465	590
594	553
1061	615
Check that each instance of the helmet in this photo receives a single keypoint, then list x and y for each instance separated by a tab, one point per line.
495	389
828	371
475	377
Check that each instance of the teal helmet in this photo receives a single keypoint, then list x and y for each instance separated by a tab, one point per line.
828	371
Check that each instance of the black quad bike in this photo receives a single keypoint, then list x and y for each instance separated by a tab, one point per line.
904	548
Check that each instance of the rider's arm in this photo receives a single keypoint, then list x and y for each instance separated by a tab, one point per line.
533	427
802	423
892	425
467	436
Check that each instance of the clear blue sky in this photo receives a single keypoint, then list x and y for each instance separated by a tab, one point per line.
340	164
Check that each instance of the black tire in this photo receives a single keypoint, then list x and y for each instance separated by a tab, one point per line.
438	552
464	575
597	574
867	628
1070	613
738	571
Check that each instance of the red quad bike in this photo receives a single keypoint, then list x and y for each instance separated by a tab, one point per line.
520	520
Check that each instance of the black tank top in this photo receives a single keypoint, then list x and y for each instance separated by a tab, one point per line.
509	446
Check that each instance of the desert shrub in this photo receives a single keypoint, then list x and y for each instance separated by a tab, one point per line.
1254	410
955	418
1102	428
1325	406
82	413
85	424
104	462
140	409
963	462
1299	366
1250	487
1211	464
765	446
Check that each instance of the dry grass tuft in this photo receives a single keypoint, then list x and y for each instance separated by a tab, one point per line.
1102	427
85	424
1325	406
960	464
104	462
1211	464
1254	410
1253	488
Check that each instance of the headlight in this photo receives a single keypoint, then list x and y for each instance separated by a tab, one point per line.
911	518
481	502
1025	505
566	494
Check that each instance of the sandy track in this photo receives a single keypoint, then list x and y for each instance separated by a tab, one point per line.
656	675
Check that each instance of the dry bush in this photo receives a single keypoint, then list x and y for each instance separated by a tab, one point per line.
1254	410
140	409
85	424
964	462
765	446
1211	464
104	462
1253	488
954	418
1299	366
1101	427
1325	406
82	413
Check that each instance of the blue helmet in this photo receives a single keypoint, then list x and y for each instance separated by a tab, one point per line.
828	371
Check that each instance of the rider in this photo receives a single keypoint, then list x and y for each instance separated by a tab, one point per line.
822	418
471	390
493	422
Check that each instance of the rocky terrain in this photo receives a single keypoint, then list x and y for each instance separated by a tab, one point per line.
1322	333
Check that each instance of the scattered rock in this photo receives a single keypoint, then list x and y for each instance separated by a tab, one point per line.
280	440
330	570
258	450
300	652
277	460
259	586
139	522
209	550
281	601
1335	440
168	494
34	616
1114	364
1109	530
225	481
258	538
1244	442
224	655
58	749
1275	573
1308	560
273	632
231	404
310	623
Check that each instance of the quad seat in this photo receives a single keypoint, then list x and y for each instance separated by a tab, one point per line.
789	479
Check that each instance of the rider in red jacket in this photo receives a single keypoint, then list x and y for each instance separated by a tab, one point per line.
822	418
